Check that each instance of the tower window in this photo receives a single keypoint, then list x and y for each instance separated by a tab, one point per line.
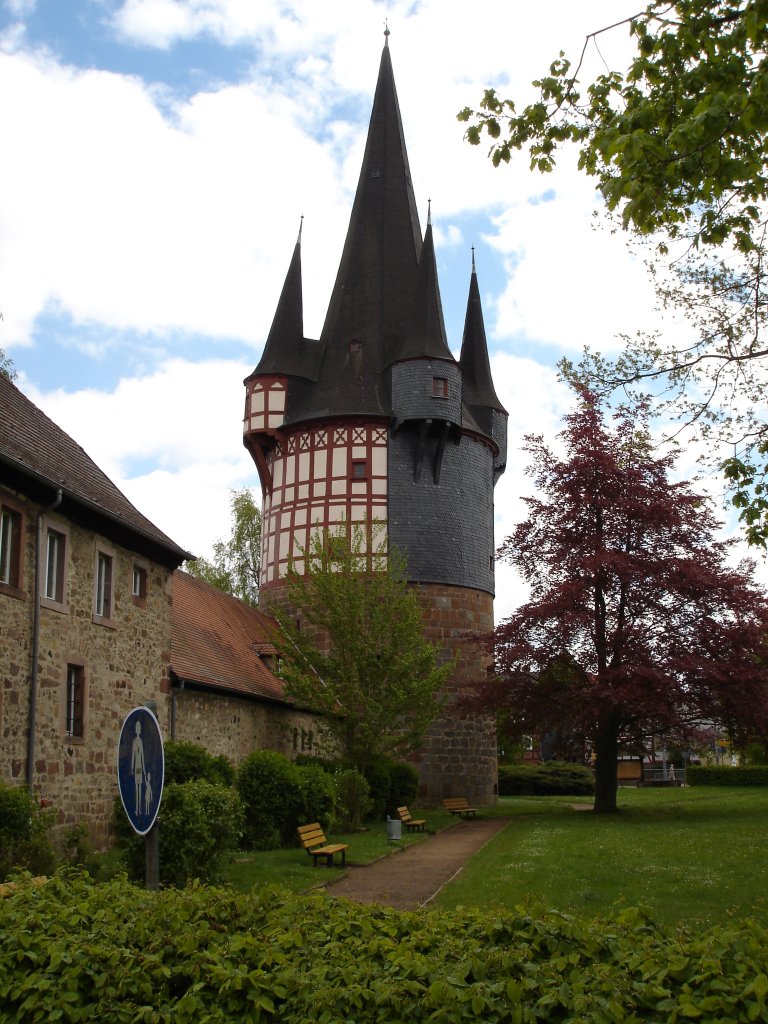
439	387
359	469
355	346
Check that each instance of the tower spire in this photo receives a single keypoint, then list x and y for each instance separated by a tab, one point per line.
479	392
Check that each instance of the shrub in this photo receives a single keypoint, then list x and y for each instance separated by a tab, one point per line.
377	775
724	775
403	785
74	951
198	824
353	802
319	793
553	778
273	802
185	762
24	826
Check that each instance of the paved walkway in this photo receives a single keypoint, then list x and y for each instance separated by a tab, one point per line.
412	876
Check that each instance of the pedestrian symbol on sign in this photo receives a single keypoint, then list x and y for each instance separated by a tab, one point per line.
140	768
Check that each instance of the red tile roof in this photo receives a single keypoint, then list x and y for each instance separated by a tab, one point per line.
216	641
34	446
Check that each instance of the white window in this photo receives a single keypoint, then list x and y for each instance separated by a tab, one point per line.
10	546
139	582
54	566
103	595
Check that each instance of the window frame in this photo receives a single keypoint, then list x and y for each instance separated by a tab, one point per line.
104	591
58	601
440	387
74	725
139	597
12	547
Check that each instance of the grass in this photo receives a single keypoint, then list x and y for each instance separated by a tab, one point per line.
293	868
688	855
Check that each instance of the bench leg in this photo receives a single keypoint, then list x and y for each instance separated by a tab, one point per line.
343	858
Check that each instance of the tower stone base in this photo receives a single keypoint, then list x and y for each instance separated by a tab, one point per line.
459	755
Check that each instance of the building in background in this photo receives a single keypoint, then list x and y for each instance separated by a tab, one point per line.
378	422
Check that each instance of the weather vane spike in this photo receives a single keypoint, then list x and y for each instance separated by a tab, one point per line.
473	259
386	31
429	211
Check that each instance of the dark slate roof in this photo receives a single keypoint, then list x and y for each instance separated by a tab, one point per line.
478	390
216	641
373	297
425	337
37	458
286	350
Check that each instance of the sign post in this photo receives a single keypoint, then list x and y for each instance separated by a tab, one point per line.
140	777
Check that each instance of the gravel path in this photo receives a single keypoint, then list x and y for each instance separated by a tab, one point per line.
411	877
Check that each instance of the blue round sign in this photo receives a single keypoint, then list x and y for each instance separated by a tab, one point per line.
140	768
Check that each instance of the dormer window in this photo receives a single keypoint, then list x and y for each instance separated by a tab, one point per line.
355	346
439	387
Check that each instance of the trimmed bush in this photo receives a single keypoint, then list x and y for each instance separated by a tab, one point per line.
115	953
353	802
377	775
319	793
552	778
403	786
198	824
185	762
725	775
273	801
24	842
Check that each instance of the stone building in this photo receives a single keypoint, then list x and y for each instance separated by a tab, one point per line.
377	420
94	621
226	694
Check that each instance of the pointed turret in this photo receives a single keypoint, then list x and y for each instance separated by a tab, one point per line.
373	298
425	337
286	351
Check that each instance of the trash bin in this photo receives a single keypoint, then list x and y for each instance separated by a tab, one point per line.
394	828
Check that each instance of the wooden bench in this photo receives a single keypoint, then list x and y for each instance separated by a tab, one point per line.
412	824
314	842
458	805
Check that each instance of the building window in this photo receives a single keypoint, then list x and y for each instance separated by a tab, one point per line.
74	713
358	469
139	584
55	554
439	387
103	592
10	546
355	346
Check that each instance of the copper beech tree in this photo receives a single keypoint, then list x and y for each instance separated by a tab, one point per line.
636	623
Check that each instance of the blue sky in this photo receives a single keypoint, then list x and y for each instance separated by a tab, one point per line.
158	156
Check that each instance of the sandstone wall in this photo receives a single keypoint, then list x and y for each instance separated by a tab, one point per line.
125	662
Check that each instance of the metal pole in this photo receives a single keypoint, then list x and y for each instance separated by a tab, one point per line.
152	858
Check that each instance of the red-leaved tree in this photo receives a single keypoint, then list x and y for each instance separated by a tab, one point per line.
636	623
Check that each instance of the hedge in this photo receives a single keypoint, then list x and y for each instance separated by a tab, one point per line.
73	951
552	778
724	775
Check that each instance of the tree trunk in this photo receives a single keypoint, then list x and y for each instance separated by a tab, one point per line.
606	772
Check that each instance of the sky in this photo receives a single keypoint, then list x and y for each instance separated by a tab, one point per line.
157	159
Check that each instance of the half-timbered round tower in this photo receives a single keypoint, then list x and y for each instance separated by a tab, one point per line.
376	421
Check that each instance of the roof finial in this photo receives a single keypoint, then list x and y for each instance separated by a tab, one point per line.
301	228
429	211
386	32
473	259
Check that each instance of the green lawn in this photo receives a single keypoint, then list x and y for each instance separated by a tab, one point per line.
688	855
293	868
